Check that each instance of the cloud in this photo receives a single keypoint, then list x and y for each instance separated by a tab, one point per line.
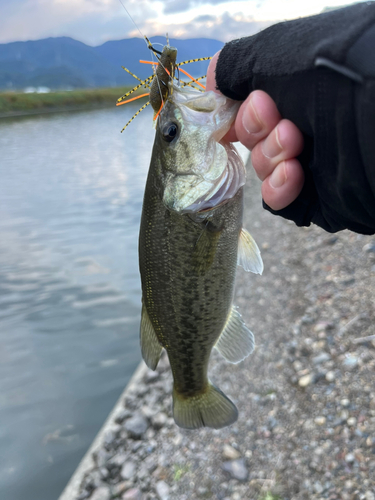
96	21
205	19
90	21
178	6
225	27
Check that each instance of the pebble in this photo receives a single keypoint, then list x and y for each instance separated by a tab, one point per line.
122	415
321	358
128	470
203	491
370	441
151	376
349	458
318	487
298	366
330	376
369	248
352	421
350	362
320	420
162	490
136	426
369	495
237	469
230	453
132	494
344	415
305	380
101	493
119	488
116	461
319	451
104	474
159	420
102	457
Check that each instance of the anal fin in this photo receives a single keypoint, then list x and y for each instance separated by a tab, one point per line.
248	253
236	341
150	346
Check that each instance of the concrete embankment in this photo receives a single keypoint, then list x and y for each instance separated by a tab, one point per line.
72	489
306	396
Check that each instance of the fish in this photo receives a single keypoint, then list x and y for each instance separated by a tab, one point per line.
190	242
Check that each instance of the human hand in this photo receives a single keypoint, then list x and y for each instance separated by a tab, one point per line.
274	142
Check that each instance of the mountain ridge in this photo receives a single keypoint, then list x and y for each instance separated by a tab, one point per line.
63	62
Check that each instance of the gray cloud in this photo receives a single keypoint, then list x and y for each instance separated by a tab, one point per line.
175	6
178	6
224	28
204	19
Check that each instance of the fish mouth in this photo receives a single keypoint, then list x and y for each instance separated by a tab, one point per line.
225	186
213	172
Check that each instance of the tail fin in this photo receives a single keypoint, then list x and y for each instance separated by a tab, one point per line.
209	409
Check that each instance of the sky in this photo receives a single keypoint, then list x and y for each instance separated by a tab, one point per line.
96	21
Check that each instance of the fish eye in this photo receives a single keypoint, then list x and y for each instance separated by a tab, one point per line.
170	131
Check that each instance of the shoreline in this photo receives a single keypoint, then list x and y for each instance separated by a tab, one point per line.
44	111
15	104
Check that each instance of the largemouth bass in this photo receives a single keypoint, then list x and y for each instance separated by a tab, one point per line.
191	239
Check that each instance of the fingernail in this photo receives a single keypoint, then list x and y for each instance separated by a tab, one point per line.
278	176
271	147
250	118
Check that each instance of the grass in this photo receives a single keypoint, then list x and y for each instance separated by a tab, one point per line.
179	471
18	103
269	496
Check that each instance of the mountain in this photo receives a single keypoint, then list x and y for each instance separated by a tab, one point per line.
66	63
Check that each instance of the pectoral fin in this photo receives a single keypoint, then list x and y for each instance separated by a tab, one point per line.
248	253
150	346
236	341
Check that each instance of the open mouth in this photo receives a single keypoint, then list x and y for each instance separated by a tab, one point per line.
225	187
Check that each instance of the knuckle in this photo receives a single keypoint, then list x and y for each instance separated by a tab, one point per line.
263	166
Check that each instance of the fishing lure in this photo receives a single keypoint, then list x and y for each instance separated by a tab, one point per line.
164	70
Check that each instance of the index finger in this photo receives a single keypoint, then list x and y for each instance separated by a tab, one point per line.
211	78
231	135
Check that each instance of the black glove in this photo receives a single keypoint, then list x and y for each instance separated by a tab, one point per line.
320	71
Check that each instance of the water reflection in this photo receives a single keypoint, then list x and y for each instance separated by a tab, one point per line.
71	189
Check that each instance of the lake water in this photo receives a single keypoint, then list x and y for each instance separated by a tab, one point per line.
71	189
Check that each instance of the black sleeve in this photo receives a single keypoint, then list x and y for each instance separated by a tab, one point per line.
320	71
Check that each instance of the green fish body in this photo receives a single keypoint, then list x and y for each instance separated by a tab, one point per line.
190	234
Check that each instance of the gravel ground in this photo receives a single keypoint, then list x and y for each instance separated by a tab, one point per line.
306	396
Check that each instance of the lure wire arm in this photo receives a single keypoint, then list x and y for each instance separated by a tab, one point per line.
143	83
136	114
132	74
194	60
